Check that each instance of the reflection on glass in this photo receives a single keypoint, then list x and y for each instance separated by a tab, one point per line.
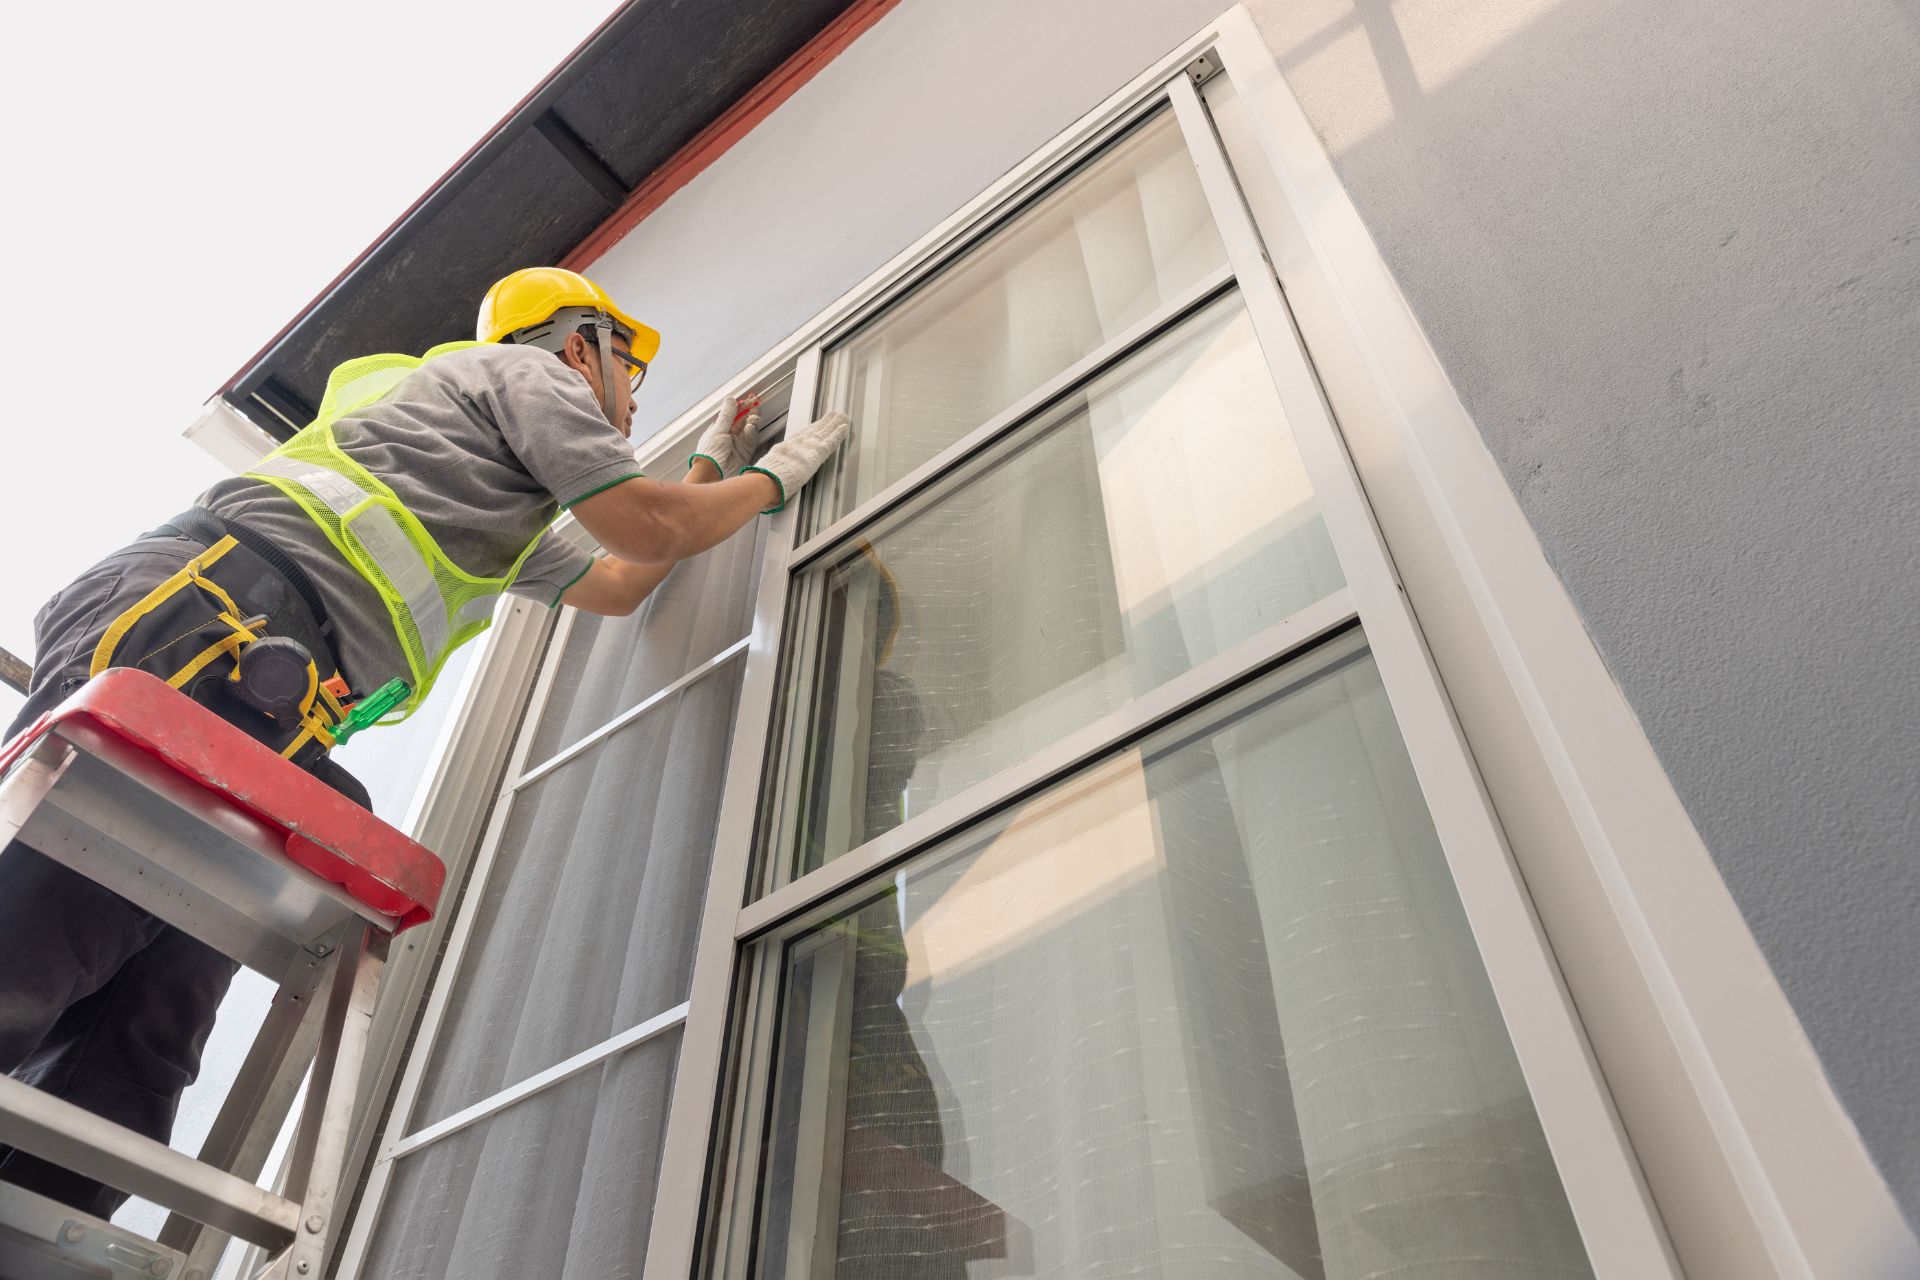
1209	1009
1115	243
1141	527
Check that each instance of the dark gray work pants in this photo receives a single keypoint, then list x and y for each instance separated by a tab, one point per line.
101	1003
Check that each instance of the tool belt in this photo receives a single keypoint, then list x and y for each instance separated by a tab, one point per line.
240	630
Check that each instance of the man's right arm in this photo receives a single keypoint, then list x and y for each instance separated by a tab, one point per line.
653	523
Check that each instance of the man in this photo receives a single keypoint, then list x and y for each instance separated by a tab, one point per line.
354	559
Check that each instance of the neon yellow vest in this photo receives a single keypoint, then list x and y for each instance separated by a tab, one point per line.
436	605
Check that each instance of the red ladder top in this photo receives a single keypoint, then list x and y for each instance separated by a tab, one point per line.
326	833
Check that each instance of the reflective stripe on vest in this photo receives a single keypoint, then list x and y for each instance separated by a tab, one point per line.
374	528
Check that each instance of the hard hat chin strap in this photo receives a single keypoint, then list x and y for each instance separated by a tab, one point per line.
603	325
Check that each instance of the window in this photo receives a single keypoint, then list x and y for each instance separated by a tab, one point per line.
1097	917
1088	877
1134	528
1084	264
1208	1007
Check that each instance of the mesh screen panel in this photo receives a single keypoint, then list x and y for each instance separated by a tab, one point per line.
557	1187
586	926
611	664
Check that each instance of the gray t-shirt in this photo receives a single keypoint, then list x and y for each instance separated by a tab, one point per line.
486	446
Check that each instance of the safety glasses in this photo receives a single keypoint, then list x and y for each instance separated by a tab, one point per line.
636	369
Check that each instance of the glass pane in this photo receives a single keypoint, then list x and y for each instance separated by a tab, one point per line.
1208	1009
611	664
586	926
1140	527
1115	243
559	1186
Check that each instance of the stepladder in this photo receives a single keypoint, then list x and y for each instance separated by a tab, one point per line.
154	797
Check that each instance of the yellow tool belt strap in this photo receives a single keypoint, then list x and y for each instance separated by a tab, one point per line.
319	710
312	725
104	651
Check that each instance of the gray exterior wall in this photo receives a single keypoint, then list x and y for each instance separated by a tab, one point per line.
1670	256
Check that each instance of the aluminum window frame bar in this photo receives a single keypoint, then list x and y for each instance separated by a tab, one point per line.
1619	1223
698	1080
1283	642
631	714
539	1082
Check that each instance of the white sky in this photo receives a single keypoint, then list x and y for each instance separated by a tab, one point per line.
180	180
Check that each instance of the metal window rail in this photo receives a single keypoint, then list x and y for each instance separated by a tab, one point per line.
1604	1185
631	714
1283	642
697	1083
539	1082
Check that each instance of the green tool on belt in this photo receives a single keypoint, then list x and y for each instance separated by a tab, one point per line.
369	709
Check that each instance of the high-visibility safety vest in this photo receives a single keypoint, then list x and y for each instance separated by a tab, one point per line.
436	606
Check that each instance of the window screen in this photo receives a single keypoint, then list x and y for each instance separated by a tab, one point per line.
583	929
587	923
558	1187
611	664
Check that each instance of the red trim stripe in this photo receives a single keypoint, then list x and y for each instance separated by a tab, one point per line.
712	142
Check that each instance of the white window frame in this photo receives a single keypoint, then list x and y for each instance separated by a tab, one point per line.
1608	1195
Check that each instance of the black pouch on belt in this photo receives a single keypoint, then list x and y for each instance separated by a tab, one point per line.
241	632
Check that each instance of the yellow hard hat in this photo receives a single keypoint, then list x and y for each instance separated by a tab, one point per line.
530	296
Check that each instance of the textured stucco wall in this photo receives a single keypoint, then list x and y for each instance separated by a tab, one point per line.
1669	254
1670	257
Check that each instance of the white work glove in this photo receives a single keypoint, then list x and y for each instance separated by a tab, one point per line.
793	461
727	444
